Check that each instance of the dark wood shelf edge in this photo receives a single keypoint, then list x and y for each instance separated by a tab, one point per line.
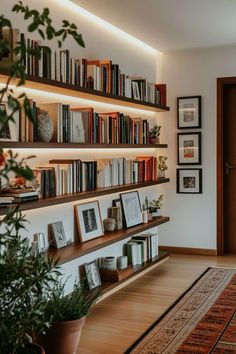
73	88
109	286
40	145
78	249
45	202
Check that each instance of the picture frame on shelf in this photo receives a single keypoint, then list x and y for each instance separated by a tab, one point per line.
89	222
135	90
10	130
92	275
189	112
189	148
131	208
189	180
58	234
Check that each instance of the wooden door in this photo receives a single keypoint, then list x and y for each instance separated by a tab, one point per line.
229	166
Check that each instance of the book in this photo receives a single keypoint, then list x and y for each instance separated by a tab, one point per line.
18	193
6	200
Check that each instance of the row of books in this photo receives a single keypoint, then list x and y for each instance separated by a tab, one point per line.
100	75
66	176
142	248
82	125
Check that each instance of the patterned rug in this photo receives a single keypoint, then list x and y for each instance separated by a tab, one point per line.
201	321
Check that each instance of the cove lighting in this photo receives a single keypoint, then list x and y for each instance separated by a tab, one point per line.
69	4
56	97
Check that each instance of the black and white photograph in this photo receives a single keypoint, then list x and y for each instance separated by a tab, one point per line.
92	275
135	90
88	219
131	208
58	234
189	112
189	181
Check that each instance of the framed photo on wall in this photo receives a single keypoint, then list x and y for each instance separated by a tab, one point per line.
189	148
189	181
189	112
89	222
131	208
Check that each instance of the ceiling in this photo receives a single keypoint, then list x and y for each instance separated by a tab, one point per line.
171	24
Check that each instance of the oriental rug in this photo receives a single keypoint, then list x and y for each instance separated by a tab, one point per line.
201	321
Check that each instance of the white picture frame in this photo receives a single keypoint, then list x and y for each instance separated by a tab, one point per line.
88	217
131	208
58	234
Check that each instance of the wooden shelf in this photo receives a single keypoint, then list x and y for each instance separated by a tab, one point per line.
109	288
67	198
57	87
39	145
78	249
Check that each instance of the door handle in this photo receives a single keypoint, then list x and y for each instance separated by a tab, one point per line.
229	167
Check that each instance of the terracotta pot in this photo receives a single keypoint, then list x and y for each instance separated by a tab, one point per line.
62	337
155	140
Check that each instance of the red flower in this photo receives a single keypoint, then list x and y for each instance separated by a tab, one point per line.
20	181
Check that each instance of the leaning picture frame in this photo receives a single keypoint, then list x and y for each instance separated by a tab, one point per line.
189	180
88	217
189	112
131	208
135	90
58	234
92	275
189	148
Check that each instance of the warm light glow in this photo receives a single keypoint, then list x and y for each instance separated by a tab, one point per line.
50	97
68	4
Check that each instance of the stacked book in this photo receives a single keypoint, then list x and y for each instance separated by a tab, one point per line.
100	75
17	195
142	248
67	176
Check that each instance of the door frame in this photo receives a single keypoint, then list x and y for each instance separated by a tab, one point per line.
221	82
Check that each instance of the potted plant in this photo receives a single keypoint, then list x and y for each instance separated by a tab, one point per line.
162	165
67	316
155	206
24	281
154	134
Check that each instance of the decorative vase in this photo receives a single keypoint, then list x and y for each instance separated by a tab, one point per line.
155	212
62	337
161	174
109	224
44	127
117	215
155	140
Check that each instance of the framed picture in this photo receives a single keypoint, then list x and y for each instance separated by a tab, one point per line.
189	181
58	234
77	127
89	222
92	275
131	208
135	90
189	148
9	131
189	112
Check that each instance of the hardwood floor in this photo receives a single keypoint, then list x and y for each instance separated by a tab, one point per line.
119	320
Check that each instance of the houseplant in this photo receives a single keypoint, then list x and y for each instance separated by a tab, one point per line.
67	315
25	282
154	134
162	165
155	206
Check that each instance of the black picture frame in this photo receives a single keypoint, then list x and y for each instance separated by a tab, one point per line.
189	115
189	149
131	207
189	180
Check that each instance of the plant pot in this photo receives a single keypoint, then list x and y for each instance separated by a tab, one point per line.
62	337
161	174
155	212
155	140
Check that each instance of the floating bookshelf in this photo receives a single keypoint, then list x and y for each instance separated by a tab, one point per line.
67	198
39	145
61	88
108	288
78	249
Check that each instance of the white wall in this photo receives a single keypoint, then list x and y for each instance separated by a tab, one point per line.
190	73
134	61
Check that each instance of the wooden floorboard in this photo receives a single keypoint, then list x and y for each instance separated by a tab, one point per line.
119	320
